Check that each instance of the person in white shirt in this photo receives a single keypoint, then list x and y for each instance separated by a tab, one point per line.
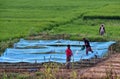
102	29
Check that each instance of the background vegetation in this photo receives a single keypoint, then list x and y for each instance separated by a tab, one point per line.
21	18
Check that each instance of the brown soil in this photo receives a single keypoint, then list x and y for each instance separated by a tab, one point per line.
110	66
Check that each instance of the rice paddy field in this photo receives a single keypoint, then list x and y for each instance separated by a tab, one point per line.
22	18
77	18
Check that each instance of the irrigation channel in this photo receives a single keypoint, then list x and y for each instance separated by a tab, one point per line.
38	51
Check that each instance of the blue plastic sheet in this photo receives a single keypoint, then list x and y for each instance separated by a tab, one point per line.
33	51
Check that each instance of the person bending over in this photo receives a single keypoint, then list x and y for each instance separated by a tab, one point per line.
87	46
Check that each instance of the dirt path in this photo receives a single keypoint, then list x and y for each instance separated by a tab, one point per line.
110	67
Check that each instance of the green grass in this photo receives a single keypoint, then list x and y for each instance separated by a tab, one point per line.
22	18
90	29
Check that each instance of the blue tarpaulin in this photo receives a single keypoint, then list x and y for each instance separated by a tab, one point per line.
51	50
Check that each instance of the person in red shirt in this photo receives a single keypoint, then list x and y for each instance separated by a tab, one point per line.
68	56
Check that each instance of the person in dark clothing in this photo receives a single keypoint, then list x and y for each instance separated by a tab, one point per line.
68	56
87	45
102	29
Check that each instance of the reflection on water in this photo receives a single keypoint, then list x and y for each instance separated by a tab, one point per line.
51	50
